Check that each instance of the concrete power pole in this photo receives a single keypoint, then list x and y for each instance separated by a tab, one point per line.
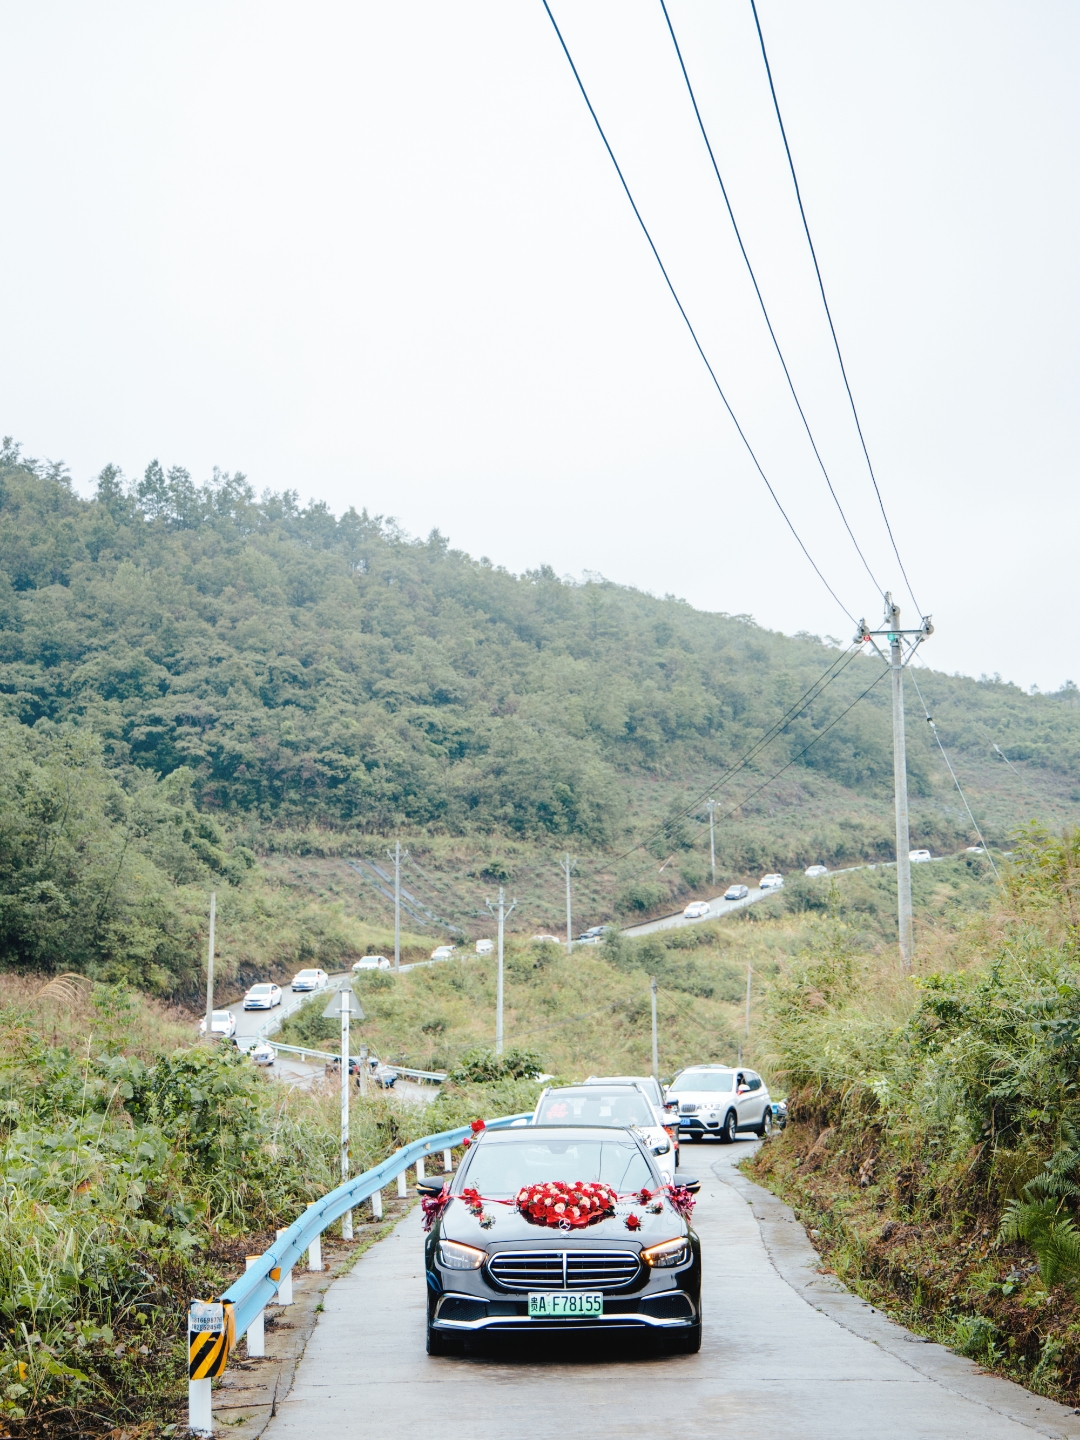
655	1041
397	855
710	805
344	1005
210	970
892	632
566	865
501	909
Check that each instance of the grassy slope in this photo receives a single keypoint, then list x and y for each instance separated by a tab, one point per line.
589	1012
926	1111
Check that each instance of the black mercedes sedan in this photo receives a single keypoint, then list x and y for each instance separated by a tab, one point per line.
553	1229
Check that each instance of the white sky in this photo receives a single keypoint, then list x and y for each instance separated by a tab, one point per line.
377	254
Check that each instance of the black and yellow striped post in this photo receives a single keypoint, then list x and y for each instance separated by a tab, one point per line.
211	1335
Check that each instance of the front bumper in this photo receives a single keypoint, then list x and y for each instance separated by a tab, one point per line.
258	1004
692	1127
665	1310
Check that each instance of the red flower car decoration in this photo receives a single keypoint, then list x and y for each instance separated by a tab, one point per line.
433	1206
566	1206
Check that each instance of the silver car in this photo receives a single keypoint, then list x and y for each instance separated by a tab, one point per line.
719	1101
622	1104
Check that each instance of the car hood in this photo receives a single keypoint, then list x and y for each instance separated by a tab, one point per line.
512	1228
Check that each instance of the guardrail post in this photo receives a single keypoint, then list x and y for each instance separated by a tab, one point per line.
256	1333
376	1204
314	1254
200	1418
447	1160
284	1289
402	1185
420	1170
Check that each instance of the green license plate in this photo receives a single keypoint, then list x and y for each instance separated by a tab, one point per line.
565	1304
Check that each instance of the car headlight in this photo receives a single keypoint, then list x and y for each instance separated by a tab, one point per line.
453	1256
670	1252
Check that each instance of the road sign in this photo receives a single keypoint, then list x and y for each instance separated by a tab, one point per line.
211	1330
333	1010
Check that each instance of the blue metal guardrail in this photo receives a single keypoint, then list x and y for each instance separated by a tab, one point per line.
255	1289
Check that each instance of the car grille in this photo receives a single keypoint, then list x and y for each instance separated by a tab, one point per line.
687	1107
564	1269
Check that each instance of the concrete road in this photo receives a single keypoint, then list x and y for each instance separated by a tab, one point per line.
717	907
788	1354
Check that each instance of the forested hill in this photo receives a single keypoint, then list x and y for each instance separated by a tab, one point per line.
308	670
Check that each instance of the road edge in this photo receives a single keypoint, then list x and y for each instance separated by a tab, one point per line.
798	1264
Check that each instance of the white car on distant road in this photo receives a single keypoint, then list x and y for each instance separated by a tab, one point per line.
919	857
975	850
485	947
310	980
371	962
223	1023
719	1101
815	870
696	910
443	952
262	1054
736	892
544	940
262	997
772	882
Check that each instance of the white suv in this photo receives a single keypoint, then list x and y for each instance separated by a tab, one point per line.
721	1100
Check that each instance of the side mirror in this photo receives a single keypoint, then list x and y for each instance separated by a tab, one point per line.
743	1090
430	1186
688	1183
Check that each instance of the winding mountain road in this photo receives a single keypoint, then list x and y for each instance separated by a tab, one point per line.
788	1354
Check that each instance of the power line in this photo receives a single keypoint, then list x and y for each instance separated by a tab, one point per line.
808	696
952	772
793	761
761	300
825	303
693	333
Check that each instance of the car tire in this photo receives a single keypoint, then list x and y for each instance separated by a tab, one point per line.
440	1343
764	1130
731	1128
686	1342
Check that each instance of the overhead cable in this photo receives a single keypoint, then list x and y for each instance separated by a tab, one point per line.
761	300
793	761
777	728
693	333
952	772
825	303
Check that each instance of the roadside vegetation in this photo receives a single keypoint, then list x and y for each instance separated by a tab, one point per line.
137	1175
934	1139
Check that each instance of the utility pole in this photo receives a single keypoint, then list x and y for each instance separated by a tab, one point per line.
655	1044
502	912
749	977
210	971
892	632
346	1006
397	855
710	805
566	864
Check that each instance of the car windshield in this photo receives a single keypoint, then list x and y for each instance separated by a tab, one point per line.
701	1080
649	1085
307	974
501	1169
595	1106
261	989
